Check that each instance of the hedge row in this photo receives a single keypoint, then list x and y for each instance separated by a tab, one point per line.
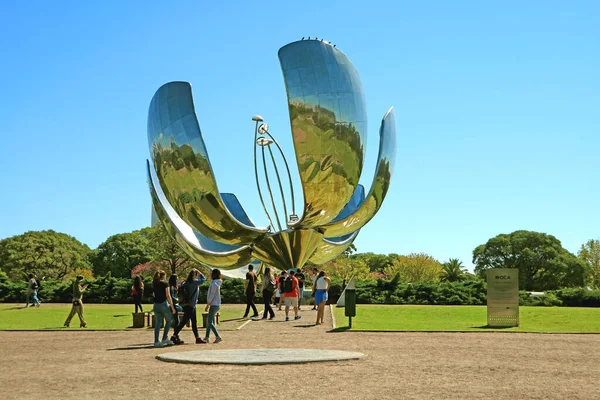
115	290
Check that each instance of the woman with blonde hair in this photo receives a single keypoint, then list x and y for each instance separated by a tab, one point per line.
163	309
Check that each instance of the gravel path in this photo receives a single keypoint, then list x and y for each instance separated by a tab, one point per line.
397	365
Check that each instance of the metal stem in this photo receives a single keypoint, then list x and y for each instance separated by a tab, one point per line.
280	185
269	188
288	171
257	182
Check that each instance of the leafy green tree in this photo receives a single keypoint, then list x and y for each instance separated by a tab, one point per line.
343	268
415	267
376	262
590	254
48	253
542	261
120	253
453	271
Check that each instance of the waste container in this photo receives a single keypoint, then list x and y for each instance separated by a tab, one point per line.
138	319
205	319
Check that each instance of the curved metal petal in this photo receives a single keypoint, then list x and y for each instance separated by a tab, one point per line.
329	126
191	242
288	249
183	168
380	186
330	249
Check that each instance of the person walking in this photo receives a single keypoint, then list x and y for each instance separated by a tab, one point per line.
163	309
282	279
137	291
268	286
301	277
188	299
322	287
250	289
32	288
173	289
77	306
290	293
213	304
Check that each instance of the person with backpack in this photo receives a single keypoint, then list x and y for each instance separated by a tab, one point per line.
290	293
268	286
137	292
250	291
188	297
282	278
174	289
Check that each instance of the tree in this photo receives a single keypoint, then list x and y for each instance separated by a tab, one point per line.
453	271
168	254
542	261
375	262
415	267
48	253
590	254
120	253
343	267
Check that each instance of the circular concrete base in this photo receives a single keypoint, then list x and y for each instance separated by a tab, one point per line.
258	356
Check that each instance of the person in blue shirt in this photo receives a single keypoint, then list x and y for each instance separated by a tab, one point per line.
188	297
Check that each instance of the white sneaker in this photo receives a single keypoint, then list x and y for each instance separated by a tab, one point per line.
167	343
158	344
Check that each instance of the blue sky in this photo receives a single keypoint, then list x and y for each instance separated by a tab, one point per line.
496	108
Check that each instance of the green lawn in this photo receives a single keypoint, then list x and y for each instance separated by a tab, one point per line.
97	316
467	318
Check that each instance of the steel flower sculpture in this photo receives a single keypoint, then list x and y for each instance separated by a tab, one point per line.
329	128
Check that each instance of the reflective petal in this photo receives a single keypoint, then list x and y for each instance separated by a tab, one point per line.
288	249
330	249
380	186
184	172
328	119
195	245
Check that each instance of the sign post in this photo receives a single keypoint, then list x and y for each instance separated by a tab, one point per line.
503	297
350	301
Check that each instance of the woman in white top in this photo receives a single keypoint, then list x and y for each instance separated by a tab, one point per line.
322	286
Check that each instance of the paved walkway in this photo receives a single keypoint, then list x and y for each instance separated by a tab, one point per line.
76	364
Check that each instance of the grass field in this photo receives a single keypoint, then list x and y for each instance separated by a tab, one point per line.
467	318
98	316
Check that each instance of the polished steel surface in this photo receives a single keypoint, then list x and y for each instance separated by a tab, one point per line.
329	249
181	162
379	187
329	126
328	121
191	242
288	249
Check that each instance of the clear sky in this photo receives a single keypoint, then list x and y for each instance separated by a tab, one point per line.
497	108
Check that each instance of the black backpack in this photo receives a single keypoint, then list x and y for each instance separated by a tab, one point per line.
288	285
184	294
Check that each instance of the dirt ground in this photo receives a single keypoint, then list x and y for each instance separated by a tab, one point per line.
397	365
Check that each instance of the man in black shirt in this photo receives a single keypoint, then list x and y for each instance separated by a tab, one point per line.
250	289
301	277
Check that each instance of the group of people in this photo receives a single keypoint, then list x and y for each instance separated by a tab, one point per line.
171	298
288	289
